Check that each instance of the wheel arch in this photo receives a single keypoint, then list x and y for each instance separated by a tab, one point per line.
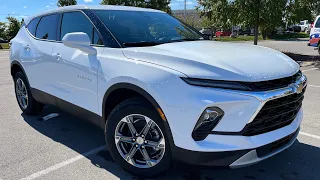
16	67
138	91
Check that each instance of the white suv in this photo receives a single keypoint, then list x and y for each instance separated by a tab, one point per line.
158	89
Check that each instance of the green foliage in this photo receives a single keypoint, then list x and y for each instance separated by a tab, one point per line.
3	28
216	13
13	27
162	5
62	3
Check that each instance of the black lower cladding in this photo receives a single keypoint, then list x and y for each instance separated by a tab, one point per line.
75	110
226	158
272	147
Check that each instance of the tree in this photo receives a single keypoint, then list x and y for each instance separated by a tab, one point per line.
62	3
3	28
216	13
13	27
162	5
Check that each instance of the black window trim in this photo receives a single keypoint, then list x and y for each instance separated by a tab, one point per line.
94	27
59	23
55	13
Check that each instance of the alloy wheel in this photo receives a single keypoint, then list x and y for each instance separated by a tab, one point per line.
22	93
140	141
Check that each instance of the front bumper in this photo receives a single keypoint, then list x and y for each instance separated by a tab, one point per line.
234	159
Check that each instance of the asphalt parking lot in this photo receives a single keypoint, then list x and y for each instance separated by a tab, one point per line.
67	148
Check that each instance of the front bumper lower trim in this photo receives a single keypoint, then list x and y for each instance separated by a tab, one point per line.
253	158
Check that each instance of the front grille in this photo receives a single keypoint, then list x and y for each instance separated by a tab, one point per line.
273	84
275	114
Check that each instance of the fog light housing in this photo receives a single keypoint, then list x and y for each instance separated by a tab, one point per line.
207	121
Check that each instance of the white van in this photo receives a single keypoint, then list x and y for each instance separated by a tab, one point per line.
315	34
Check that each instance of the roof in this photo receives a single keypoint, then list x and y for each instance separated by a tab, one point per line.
96	7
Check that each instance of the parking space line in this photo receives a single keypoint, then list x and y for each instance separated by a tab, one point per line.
94	151
309	135
309	85
64	163
310	69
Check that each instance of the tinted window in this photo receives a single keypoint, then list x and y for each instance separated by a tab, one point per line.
47	27
33	25
78	22
131	27
96	38
318	23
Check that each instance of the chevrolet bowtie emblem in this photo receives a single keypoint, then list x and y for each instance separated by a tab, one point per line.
299	87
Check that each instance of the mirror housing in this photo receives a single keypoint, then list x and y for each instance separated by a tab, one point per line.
79	40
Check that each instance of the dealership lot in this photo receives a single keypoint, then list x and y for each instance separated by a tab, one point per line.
67	148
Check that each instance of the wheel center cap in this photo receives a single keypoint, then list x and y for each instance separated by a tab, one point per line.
140	140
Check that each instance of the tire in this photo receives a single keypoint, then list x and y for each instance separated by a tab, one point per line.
319	48
31	107
134	108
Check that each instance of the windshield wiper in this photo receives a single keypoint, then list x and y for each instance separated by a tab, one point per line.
141	44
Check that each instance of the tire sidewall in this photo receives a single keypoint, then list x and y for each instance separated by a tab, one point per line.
30	105
110	127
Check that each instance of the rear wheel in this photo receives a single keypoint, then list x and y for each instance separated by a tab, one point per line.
319	47
23	94
137	140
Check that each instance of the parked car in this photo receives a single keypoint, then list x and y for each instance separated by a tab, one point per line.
305	26
207	32
157	88
315	34
223	33
294	28
3	41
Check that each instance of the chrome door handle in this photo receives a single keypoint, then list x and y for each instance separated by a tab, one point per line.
57	56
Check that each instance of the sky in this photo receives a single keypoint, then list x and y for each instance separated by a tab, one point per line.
23	8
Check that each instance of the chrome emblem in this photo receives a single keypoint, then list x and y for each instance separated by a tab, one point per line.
299	87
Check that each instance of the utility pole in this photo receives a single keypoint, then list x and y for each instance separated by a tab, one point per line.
185	9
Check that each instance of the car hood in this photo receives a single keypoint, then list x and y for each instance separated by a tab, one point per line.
217	60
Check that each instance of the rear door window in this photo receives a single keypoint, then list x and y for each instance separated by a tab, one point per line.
33	25
78	22
47	27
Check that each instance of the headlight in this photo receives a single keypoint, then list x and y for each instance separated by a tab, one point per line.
217	84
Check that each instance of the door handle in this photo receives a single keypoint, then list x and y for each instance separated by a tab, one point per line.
57	56
26	47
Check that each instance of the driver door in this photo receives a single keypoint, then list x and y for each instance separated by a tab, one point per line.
76	77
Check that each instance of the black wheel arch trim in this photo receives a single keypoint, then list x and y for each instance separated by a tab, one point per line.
142	92
15	62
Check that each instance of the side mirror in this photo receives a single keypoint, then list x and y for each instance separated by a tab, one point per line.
79	40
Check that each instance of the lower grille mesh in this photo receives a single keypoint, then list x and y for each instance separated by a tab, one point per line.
275	114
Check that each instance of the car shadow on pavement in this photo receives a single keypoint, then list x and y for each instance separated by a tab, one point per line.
300	161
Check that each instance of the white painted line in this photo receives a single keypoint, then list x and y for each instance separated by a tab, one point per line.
310	69
313	86
309	135
62	164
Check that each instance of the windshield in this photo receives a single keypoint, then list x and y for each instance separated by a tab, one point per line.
139	28
301	22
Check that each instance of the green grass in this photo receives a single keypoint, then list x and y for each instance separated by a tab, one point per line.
4	45
239	38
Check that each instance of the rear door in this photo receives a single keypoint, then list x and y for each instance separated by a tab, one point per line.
315	33
77	71
36	51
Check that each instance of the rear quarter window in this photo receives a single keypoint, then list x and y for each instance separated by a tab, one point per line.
47	27
32	26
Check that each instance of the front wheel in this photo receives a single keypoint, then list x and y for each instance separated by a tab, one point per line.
136	138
